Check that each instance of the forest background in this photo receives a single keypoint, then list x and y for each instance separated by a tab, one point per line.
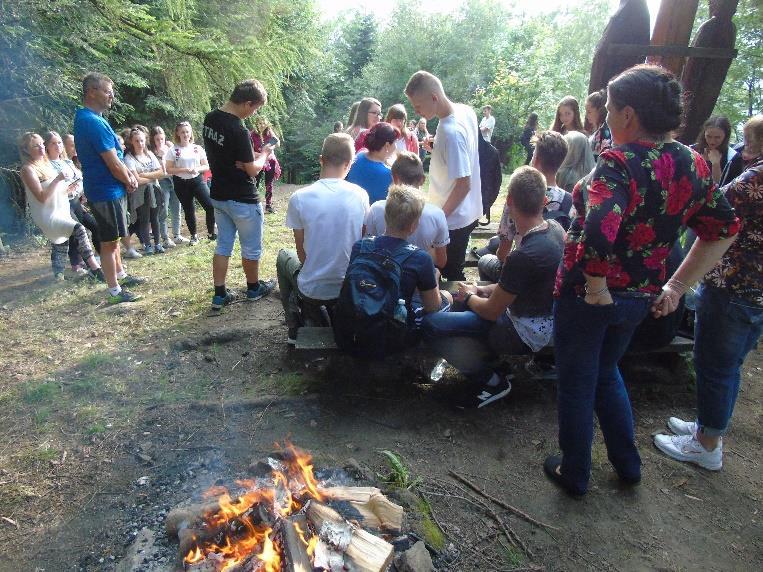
177	59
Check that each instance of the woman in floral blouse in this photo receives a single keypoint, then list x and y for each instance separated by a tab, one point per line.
729	319
629	214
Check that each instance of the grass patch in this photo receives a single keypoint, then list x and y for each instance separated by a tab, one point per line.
399	475
432	533
513	556
35	392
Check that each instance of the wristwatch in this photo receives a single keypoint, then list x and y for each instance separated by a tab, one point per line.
466	298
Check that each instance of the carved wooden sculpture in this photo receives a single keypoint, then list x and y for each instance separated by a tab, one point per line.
703	78
628	25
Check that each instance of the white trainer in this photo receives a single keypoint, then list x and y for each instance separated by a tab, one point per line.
688	449
132	253
169	243
681	427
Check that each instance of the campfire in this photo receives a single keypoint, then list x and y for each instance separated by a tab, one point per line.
285	519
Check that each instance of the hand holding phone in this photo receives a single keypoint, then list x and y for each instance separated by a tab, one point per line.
273	142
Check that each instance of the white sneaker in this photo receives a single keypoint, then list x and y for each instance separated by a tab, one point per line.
681	427
688	449
132	253
180	239
194	240
169	244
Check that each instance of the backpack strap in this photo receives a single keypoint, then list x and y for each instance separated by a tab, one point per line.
367	244
566	203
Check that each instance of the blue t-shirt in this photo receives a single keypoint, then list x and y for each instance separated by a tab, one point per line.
373	176
418	269
92	136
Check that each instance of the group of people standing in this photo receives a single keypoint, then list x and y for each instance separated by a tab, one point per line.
587	289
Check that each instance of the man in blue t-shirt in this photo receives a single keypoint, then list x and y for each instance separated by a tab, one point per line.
105	179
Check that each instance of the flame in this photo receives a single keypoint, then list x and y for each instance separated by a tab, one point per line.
240	539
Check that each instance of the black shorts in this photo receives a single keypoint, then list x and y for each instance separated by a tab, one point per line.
111	217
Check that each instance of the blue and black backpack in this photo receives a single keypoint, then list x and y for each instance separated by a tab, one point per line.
363	318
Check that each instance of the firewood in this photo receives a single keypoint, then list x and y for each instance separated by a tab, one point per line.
368	553
187	516
295	551
376	510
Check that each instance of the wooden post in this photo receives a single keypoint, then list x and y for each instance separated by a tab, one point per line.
673	28
703	78
628	25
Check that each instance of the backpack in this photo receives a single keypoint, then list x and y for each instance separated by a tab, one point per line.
559	212
363	318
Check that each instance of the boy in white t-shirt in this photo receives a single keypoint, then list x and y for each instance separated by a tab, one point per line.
327	219
454	172
487	124
431	235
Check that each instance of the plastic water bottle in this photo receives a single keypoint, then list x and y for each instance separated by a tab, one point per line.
438	370
401	312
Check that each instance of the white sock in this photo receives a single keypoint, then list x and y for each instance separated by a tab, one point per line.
494	381
122	274
115	290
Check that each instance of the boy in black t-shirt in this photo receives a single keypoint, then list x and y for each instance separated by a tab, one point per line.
513	316
234	165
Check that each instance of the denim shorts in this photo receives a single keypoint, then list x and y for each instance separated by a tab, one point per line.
244	218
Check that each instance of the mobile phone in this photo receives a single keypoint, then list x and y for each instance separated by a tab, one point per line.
273	142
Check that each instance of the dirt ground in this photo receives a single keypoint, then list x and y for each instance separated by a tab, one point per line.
199	397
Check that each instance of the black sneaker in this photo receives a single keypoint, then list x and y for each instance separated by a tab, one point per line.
484	394
212	236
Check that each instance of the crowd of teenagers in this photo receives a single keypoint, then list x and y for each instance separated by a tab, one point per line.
604	232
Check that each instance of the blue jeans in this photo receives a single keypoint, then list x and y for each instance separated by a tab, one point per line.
588	343
471	344
725	331
244	218
171	204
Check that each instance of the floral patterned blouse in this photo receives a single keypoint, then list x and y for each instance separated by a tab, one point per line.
630	211
741	268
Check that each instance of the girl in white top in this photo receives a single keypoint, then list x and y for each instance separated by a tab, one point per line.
55	148
157	143
147	199
46	195
186	162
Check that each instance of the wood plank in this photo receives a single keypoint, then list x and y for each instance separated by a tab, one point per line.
315	338
683	51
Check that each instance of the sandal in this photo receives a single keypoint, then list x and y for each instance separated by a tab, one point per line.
552	466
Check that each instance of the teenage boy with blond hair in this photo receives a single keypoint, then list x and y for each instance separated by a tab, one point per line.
454	171
431	235
327	219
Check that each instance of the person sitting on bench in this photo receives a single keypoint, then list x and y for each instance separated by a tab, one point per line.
327	219
513	316
431	235
550	151
389	281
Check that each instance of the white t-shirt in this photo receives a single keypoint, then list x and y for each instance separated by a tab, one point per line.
489	124
191	156
431	232
331	212
455	156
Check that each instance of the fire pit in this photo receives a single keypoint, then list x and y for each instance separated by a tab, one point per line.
285	519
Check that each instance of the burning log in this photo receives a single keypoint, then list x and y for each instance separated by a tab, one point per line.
368	553
294	546
376	510
185	517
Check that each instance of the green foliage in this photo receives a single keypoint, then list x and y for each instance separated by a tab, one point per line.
399	475
742	94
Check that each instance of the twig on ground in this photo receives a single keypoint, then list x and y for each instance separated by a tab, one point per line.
738	454
501	503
